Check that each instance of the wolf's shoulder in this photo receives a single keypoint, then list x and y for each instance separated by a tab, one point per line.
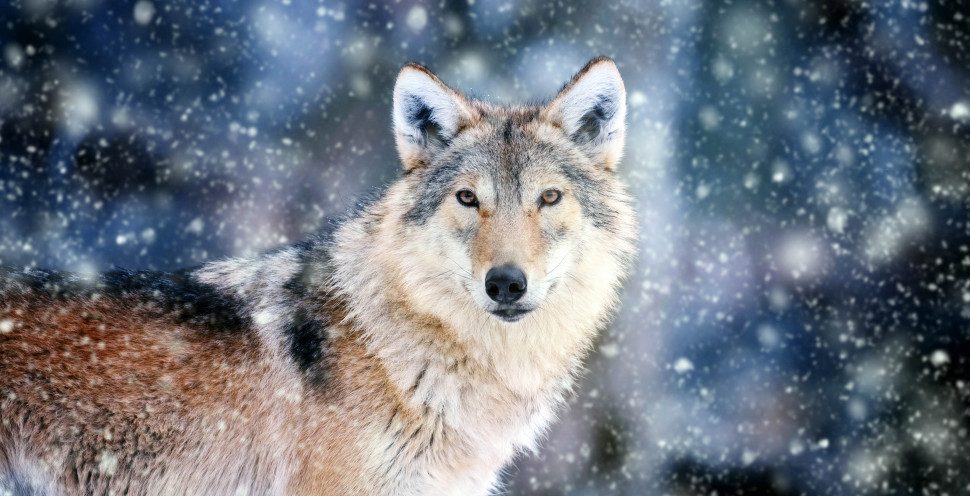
289	294
278	300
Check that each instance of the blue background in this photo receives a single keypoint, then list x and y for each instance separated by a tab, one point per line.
798	321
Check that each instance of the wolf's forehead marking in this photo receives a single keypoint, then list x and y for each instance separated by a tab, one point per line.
496	155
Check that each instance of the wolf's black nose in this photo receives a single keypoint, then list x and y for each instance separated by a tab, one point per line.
505	284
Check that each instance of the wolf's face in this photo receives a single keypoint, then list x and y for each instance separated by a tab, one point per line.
507	218
506	203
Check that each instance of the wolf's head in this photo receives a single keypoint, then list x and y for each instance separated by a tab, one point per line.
507	214
505	202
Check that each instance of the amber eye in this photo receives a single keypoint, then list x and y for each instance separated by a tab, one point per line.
467	198
551	197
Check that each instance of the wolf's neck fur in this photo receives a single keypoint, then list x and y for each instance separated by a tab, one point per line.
444	352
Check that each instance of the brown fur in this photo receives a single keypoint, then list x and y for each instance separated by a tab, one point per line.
104	385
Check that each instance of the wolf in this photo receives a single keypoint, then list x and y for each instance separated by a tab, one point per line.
416	348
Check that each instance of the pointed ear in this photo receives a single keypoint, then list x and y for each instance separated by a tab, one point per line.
427	115
591	109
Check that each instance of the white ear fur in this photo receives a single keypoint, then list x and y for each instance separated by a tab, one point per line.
591	109
427	114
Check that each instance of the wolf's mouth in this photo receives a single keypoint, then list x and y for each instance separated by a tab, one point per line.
511	314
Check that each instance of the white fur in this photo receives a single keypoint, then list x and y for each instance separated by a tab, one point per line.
34	475
601	81
417	84
447	109
244	279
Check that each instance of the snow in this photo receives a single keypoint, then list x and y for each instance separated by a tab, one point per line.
108	462
417	18
797	321
683	365
80	107
960	111
939	358
144	12
13	55
195	226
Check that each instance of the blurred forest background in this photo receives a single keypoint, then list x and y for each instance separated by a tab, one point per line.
799	322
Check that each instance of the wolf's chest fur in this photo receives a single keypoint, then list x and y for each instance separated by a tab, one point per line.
425	415
414	351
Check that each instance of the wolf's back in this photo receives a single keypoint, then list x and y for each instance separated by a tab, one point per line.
105	381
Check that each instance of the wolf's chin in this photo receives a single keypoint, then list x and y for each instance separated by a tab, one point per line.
510	315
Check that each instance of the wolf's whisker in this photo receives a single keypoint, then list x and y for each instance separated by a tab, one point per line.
565	255
459	275
449	271
466	271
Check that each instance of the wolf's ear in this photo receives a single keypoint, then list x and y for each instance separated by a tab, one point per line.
427	115
591	109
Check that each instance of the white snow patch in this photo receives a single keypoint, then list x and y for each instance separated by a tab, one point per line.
751	180
265	317
637	98
79	107
610	350
836	219
195	226
811	143
453	25
939	358
710	118
472	66
723	70
682	365
144	12
702	191
780	172
857	409
778	298
6	325
890	234
417	18
801	255
86	270
768	336
108	463
13	54
960	111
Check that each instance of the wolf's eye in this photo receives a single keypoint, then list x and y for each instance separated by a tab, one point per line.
467	198
550	197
